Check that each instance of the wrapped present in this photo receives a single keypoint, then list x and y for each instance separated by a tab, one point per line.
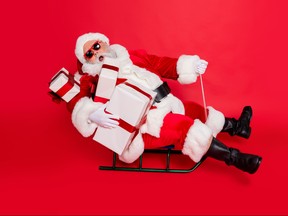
130	102
64	85
107	80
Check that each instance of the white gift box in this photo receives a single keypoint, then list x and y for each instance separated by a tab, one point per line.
107	80
130	102
64	85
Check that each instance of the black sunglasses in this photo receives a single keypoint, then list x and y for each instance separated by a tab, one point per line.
95	47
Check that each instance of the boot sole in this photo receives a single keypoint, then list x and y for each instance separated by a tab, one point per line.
257	167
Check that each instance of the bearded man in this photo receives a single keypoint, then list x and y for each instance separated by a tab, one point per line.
166	123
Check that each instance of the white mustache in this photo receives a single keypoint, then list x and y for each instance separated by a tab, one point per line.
101	56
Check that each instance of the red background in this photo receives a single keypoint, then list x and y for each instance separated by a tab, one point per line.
46	167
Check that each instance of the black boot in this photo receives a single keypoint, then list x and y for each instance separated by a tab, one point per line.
240	127
245	162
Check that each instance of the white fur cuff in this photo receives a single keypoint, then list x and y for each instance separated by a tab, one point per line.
155	117
198	141
154	122
80	114
186	69
134	150
215	120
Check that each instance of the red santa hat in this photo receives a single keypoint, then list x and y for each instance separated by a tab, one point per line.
83	39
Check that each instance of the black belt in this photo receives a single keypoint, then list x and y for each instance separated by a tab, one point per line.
162	91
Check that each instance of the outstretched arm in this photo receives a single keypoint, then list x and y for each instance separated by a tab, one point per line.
185	69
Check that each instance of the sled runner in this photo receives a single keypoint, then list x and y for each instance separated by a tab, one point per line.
140	168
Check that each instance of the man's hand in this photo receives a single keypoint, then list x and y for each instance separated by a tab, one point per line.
103	119
201	66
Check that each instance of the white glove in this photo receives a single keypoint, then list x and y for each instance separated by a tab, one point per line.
201	66
103	119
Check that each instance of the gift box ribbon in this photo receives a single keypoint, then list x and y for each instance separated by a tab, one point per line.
104	100
139	90
125	125
68	86
110	67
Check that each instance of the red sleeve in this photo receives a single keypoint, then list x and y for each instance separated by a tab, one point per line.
162	66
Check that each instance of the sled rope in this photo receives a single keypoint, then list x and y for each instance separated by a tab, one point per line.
203	97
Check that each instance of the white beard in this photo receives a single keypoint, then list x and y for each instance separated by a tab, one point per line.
119	53
92	69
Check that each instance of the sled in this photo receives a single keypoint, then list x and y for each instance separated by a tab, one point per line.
140	168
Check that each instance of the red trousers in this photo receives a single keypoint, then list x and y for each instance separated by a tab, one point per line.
175	128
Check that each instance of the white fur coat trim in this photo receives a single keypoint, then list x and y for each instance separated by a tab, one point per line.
186	69
155	117
134	150
215	120
198	141
83	108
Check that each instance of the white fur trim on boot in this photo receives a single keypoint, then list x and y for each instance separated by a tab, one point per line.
83	108
198	141
215	120
186	69
134	150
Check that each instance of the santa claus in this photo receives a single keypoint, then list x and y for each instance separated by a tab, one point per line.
166	123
